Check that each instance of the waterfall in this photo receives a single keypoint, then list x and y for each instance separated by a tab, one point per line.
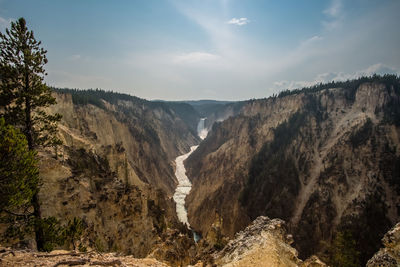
201	130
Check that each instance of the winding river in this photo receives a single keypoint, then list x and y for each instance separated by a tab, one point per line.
184	184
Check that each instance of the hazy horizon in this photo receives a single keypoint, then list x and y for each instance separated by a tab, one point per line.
220	50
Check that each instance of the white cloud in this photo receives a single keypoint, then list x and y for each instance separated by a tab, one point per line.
283	85
194	57
378	68
334	9
60	78
334	15
239	22
224	61
221	35
75	57
311	41
332	24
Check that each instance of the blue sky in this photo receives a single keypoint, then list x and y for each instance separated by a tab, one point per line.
210	49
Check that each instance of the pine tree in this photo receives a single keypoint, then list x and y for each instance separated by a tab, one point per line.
19	175
24	95
344	251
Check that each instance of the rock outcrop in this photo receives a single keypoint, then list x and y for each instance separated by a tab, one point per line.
324	160
389	255
264	242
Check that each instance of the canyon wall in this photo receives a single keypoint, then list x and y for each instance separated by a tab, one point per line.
115	171
326	160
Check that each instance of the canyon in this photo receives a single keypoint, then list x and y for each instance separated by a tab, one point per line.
210	133
275	180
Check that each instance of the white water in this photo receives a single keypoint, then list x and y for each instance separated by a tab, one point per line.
183	188
201	130
184	184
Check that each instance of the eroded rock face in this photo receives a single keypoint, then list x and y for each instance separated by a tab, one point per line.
389	255
144	136
265	242
323	161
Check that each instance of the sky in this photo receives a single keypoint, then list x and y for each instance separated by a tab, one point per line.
210	49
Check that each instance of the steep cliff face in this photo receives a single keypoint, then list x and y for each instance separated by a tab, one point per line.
115	171
150	134
187	113
325	160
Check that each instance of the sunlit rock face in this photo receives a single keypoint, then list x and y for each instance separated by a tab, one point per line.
115	171
265	242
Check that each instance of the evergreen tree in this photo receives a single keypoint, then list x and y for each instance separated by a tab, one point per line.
19	174
343	251
24	95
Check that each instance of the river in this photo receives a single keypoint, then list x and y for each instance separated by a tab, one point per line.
184	185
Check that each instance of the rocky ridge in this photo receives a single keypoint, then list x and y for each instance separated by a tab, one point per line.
265	242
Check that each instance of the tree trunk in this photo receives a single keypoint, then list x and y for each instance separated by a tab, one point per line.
28	124
39	234
28	112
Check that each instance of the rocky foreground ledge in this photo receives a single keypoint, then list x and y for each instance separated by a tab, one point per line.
389	255
55	258
265	242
